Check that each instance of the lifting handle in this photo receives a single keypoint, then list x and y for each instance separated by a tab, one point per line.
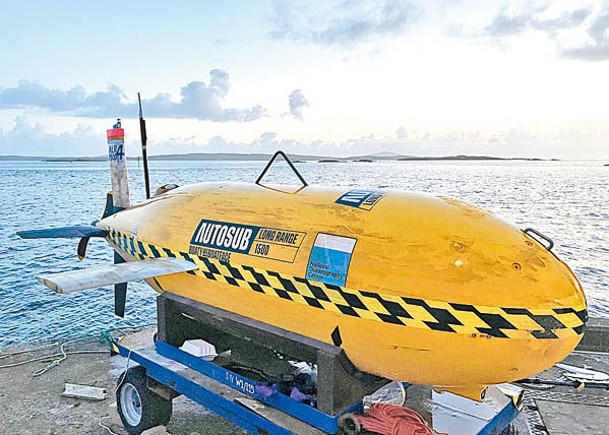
533	232
289	162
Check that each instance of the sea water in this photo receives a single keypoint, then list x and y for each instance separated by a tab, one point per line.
567	201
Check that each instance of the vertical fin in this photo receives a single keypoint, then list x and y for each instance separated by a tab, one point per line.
120	291
120	297
109	210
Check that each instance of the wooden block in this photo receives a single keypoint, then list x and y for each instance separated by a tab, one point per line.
84	392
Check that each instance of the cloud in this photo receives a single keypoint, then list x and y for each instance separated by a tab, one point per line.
350	24
581	140
563	143
33	139
298	103
345	25
75	100
597	48
198	100
509	24
592	22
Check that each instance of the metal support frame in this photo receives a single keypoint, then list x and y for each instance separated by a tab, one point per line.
207	395
247	387
226	394
339	383
232	396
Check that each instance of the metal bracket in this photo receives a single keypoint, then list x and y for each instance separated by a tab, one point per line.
289	162
530	231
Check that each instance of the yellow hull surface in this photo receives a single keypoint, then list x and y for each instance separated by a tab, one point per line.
413	287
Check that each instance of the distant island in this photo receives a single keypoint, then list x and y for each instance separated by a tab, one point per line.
299	158
464	157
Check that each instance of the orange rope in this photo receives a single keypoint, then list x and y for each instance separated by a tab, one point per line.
386	419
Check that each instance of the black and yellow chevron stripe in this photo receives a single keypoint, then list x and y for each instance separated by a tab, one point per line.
499	322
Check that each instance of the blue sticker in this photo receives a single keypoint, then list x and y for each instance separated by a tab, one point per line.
330	258
361	198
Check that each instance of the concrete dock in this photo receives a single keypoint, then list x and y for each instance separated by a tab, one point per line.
34	405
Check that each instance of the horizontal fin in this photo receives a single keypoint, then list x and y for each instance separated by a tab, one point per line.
110	274
74	231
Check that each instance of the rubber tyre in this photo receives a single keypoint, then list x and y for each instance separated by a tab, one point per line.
155	410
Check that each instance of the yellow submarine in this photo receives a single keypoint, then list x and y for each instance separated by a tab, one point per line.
418	288
424	289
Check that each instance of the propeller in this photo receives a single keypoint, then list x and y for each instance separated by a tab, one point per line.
81	250
85	233
118	165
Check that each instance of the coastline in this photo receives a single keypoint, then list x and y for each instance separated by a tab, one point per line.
297	158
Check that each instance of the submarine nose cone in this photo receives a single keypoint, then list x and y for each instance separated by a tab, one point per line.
525	291
569	297
555	304
551	282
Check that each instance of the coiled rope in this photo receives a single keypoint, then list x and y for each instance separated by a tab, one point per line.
387	419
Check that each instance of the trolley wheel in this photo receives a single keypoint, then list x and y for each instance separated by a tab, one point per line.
139	408
349	425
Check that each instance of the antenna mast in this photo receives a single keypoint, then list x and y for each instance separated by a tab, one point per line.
144	141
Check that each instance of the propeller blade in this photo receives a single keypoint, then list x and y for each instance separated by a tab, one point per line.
120	297
73	231
81	251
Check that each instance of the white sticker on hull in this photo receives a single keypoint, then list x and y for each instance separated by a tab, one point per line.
330	258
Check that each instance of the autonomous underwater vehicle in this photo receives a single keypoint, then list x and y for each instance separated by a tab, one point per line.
413	287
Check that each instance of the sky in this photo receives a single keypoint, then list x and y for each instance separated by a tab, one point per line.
501	78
